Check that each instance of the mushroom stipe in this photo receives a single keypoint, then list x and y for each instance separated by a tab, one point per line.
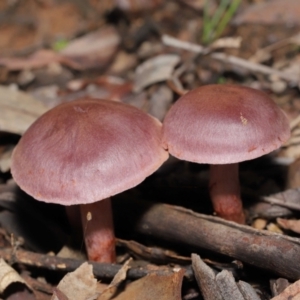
85	151
222	125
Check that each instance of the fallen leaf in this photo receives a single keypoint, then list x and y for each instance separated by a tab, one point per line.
93	50
259	223
122	63
8	276
153	286
227	42
59	294
293	225
205	278
30	24
278	285
18	110
5	157
160	102
36	60
152	254
270	13
121	275
228	287
247	291
292	292
274	228
153	70
80	285
288	199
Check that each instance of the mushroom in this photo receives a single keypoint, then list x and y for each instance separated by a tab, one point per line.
85	151
223	125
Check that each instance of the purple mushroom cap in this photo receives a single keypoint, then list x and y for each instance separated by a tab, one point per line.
87	150
223	124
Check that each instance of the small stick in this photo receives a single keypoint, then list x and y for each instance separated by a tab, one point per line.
237	61
178	225
101	270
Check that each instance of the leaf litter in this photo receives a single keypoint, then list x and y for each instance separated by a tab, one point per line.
146	54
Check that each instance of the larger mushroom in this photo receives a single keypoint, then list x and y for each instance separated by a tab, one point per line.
223	125
85	151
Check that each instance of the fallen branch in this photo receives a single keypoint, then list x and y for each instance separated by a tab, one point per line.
101	270
277	253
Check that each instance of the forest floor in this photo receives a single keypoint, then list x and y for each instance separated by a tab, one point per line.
169	243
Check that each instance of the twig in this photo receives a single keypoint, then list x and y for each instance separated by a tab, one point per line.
237	61
256	57
174	83
173	42
197	231
101	270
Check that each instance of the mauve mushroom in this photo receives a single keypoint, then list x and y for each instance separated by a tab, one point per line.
85	151
222	125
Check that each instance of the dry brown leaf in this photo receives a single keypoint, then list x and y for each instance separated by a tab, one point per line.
291	152
259	223
227	42
8	276
288	199
108	292
5	157
205	278
18	110
160	102
27	25
122	63
153	70
292	292
278	285
153	254
59	294
274	228
153	286
38	59
227	286
247	291
94	50
79	285
293	225
270	13
121	275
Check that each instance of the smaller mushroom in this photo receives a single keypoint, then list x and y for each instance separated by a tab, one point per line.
223	125
85	151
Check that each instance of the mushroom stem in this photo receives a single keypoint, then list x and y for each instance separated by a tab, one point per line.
224	190
98	231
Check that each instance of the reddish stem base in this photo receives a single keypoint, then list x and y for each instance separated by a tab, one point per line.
98	231
224	190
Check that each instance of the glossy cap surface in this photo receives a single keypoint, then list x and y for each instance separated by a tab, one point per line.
87	150
222	124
